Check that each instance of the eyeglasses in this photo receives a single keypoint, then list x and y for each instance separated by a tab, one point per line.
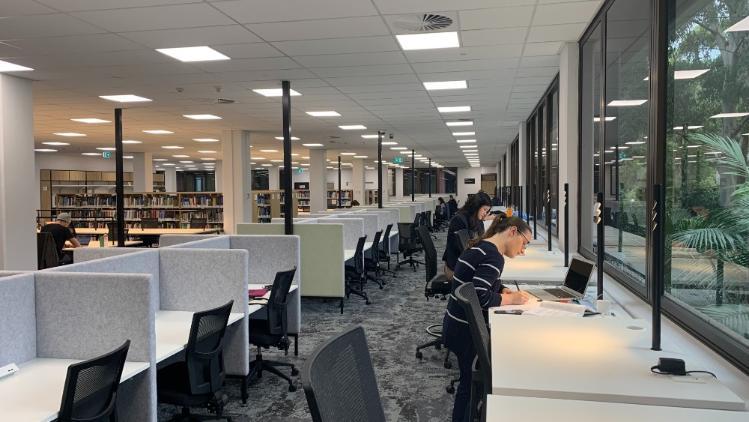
527	241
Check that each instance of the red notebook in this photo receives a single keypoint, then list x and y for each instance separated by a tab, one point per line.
255	293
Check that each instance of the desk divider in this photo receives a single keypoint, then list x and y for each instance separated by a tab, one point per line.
353	229
84	254
10	273
170	240
17	319
370	223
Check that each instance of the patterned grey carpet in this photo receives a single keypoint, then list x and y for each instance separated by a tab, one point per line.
411	390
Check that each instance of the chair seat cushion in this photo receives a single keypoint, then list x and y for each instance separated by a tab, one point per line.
174	387
260	334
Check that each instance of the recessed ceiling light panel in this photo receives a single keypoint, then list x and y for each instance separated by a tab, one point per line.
428	41
202	116
436	86
274	92
125	98
353	127
328	113
12	67
90	120
193	54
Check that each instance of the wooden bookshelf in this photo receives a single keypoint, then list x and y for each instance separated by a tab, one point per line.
346	196
371	196
267	205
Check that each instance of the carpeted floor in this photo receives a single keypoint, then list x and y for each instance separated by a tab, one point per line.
411	390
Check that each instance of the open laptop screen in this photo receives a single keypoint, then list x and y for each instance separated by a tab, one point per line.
578	275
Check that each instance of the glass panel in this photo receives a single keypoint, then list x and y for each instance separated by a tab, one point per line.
589	136
625	164
541	167
707	174
554	171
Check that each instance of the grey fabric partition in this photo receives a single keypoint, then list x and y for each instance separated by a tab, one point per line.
202	241
9	273
17	319
353	229
200	279
166	240
90	254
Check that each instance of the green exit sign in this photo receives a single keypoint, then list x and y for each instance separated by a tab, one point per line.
398	160
106	155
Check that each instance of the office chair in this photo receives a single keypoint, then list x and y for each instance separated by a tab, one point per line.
339	380
46	251
464	236
272	332
407	244
437	285
198	223
482	372
384	251
372	261
90	392
197	381
356	274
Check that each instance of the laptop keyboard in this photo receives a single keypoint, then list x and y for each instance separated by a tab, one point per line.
559	293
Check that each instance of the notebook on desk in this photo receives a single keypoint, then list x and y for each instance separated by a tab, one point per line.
575	283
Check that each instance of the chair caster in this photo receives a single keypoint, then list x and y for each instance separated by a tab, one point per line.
419	355
450	389
368	302
292	388
448	365
294	371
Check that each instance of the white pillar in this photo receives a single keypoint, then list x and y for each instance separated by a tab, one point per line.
18	193
237	178
318	172
385	184
274	178
398	183
170	179
568	139
358	180
217	175
142	172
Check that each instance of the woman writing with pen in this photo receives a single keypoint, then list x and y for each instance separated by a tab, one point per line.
481	264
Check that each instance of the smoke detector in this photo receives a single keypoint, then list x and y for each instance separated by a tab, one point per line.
426	22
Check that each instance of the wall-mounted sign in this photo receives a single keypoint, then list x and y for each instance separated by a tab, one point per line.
469	181
106	155
398	160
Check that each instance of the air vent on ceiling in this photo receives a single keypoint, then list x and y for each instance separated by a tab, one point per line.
424	23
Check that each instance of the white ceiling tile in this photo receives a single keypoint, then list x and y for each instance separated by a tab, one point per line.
22	7
80	5
335	72
362	59
571	12
390	7
373	80
493	36
465	53
567	32
262	11
248	51
489	64
210	35
76	44
37	26
268	63
544	61
542	48
504	17
159	17
321	29
338	45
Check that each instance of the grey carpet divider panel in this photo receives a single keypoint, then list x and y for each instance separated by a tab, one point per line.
372	223
144	262
268	255
90	254
168	240
405	213
17	319
200	279
200	241
10	273
353	229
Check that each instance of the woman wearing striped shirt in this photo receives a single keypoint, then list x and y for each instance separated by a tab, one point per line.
481	264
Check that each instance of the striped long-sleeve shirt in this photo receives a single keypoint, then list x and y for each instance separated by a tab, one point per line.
482	266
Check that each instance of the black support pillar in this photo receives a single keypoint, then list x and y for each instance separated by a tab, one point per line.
119	183
288	202
380	134
413	175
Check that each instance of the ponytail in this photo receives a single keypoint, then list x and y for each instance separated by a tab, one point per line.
500	224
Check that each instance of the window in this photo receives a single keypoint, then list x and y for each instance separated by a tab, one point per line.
554	159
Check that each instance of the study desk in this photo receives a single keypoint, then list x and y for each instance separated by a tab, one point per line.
257	304
595	359
504	408
111	244
173	331
34	393
146	232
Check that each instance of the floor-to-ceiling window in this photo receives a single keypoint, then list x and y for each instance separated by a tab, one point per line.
707	172
554	158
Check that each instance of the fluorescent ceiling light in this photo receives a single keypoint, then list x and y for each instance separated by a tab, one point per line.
626	103
305	164
276	161
160	159
186	162
91	154
635	142
293	138
726	115
202	116
464	133
466	141
435	86
689	74
207	151
267	165
467	146
131	141
125	98
454	109
158	132
205	140
348	153
181	156
44	150
268	150
353	127
428	41
406	152
361	156
274	92
193	54
607	118
106	148
329	113
742	25
312	145
693	146
12	67
460	123
127	157
56	144
90	120
370	136
207	158
168	164
70	134
172	147
398	148
389	143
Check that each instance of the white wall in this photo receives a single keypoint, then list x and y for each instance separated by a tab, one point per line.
463	189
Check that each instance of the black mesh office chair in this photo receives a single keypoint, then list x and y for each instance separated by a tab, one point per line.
408	244
198	223
197	381
464	236
372	261
384	251
355	273
482	372
339	380
90	392
272	332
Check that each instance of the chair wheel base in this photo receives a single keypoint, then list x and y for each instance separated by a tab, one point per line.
419	355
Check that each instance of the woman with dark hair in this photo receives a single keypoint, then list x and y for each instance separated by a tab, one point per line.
481	264
470	217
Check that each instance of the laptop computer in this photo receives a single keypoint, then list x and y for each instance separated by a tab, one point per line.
84	240
574	286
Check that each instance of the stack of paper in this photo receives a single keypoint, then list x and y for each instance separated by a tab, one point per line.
557	309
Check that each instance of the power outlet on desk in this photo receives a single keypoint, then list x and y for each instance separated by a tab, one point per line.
8	370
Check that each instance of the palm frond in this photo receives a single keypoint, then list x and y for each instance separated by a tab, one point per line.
708	238
733	161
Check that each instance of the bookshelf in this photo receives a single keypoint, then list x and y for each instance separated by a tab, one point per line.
294	204
346	196
302	195
371	196
267	205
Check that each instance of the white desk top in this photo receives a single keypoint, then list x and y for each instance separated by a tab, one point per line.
503	408
34	393
598	359
173	331
524	268
255	304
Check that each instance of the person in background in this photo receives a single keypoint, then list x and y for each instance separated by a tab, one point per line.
452	206
354	203
481	264
440	212
60	231
471	217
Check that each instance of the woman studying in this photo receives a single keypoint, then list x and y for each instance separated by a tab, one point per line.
470	217
481	264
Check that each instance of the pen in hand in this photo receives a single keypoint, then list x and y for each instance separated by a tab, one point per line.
516	285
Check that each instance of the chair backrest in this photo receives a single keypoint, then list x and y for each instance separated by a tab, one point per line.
90	391
430	253
149	223
469	301
428	216
359	255
374	251
404	235
198	223
277	301
464	236
339	380
46	251
204	351
417	219
386	239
